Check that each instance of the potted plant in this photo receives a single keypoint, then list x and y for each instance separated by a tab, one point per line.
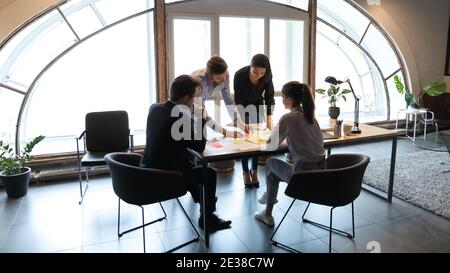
13	173
334	94
433	89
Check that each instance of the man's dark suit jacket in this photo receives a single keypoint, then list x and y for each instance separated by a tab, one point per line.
162	151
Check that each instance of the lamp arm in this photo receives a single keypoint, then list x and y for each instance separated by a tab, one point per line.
351	88
355	128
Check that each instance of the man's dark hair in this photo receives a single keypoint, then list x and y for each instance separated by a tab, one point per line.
183	85
216	65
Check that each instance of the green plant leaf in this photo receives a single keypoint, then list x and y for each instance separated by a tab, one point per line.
320	91
409	98
346	91
435	88
10	163
399	85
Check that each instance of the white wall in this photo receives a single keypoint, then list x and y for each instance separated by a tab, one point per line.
420	30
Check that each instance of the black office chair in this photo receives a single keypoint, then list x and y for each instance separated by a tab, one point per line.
144	186
337	185
105	132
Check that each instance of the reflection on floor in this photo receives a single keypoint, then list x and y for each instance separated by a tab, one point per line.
49	219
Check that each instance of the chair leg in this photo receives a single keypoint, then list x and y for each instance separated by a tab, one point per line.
192	225
353	221
143	224
331	228
83	191
276	243
118	220
338	231
303	216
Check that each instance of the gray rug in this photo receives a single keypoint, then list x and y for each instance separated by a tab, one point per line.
419	180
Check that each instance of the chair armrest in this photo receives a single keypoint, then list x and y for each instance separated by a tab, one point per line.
77	139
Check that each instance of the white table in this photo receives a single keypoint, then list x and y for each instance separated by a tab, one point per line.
414	112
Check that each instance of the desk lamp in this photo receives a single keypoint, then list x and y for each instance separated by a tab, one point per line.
332	80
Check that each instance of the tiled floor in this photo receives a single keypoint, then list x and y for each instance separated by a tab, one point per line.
49	219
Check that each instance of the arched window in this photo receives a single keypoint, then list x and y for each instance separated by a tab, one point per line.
351	45
80	57
93	55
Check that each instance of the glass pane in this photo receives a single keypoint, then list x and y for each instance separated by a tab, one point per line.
331	61
9	110
110	71
34	48
83	21
356	55
189	56
343	16
397	100
249	32
286	51
301	4
373	105
328	32
377	46
279	110
113	10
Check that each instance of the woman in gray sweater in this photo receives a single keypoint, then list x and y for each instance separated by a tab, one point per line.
305	143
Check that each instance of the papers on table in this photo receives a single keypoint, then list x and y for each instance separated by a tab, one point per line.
231	145
258	136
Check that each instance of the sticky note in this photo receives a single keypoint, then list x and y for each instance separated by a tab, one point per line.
215	144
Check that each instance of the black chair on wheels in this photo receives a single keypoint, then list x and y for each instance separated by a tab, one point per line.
105	132
337	185
144	186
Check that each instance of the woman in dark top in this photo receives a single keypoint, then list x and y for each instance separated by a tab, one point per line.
254	93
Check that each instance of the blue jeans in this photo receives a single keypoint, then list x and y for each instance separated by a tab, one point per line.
245	163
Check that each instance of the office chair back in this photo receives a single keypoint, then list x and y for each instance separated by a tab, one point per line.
337	185
107	131
142	186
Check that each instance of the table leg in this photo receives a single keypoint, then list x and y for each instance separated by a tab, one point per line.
392	170
415	127
425	126
407	122
204	190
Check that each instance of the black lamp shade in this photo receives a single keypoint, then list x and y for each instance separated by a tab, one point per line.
332	80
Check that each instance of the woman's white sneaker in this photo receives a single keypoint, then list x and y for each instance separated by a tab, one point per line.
261	216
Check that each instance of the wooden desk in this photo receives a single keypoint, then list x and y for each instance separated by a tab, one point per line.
228	149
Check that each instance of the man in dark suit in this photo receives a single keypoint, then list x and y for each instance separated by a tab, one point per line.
170	131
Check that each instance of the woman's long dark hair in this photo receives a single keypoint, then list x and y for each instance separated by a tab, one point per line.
261	61
300	93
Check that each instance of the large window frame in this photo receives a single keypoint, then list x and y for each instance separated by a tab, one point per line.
252	9
62	13
213	9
